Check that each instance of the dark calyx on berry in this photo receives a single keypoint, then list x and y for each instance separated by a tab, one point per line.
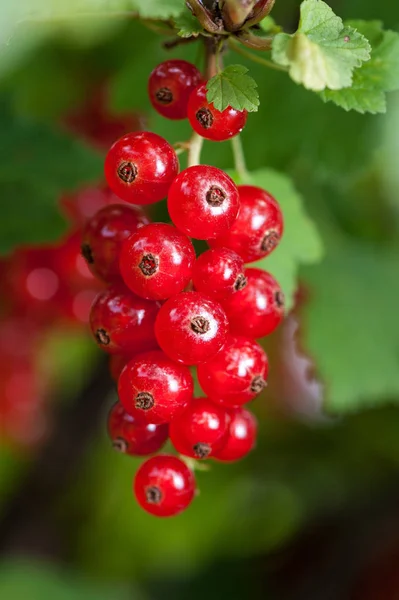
258	384
102	337
215	196
153	495
270	241
127	171
144	401
148	264
87	253
120	445
201	450
240	282
279	298
204	117
200	325
164	95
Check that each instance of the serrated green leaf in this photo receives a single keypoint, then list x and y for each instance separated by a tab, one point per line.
323	53
233	87
187	24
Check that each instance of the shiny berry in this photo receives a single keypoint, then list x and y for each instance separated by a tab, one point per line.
131	437
123	323
117	362
258	309
170	85
203	202
191	327
201	430
219	272
154	389
164	485
241	437
258	227
211	123
140	167
157	261
103	237
236	374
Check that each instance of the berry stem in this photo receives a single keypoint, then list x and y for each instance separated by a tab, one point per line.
239	159
194	151
237	47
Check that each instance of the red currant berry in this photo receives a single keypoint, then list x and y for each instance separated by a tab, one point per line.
140	167
103	237
191	327
157	261
154	389
258	309
121	322
219	272
164	485
170	86
211	123
258	227
241	437
203	202
117	362
201	430
236	374
131	437
84	204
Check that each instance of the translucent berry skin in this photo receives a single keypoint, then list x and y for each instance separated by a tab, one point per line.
164	486
236	374
117	362
211	123
154	389
203	202
241	438
258	228
103	237
201	430
140	167
123	323
219	272
258	309
130	437
191	327
170	85
157	261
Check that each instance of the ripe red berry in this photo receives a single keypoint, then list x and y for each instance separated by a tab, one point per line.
236	374
117	362
203	202
219	272
123	323
157	261
131	437
164	485
191	327
154	389
211	123
258	228
103	237
140	167
84	203
170	85
258	309
201	430
241	437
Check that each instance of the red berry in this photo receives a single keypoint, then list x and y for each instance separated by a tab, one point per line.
258	227
201	430
140	167
236	374
203	202
164	485
258	309
103	237
211	123
154	389
131	437
191	327
82	205
219	272
241	437
117	362
70	265
170	86
157	261
121	322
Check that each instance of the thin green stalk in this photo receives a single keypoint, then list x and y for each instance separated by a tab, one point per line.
239	159
254	57
194	151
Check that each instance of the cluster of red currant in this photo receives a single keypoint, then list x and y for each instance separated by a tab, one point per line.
166	310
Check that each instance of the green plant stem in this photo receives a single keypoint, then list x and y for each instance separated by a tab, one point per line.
194	151
239	158
254	57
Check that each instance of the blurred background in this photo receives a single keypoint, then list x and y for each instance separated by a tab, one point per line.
313	512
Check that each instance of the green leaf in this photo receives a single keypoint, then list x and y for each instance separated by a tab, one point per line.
375	77
233	87
323	53
187	24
